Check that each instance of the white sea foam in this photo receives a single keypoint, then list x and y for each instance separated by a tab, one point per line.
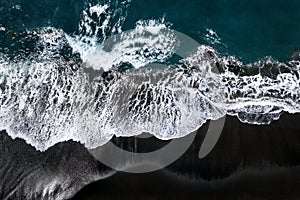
212	37
46	100
150	41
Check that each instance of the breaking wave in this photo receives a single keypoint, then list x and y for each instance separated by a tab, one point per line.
99	82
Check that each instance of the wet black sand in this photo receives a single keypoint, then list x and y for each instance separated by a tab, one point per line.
248	162
269	183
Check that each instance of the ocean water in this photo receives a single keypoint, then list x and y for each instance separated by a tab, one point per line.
73	67
250	30
89	71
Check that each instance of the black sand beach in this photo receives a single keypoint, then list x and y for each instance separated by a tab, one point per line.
248	162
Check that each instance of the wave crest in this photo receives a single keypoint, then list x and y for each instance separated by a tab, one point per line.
88	89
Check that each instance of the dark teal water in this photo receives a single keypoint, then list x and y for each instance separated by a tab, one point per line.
248	29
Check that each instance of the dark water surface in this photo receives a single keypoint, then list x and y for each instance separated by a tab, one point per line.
249	29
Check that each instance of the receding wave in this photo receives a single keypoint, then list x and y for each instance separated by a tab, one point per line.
99	82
